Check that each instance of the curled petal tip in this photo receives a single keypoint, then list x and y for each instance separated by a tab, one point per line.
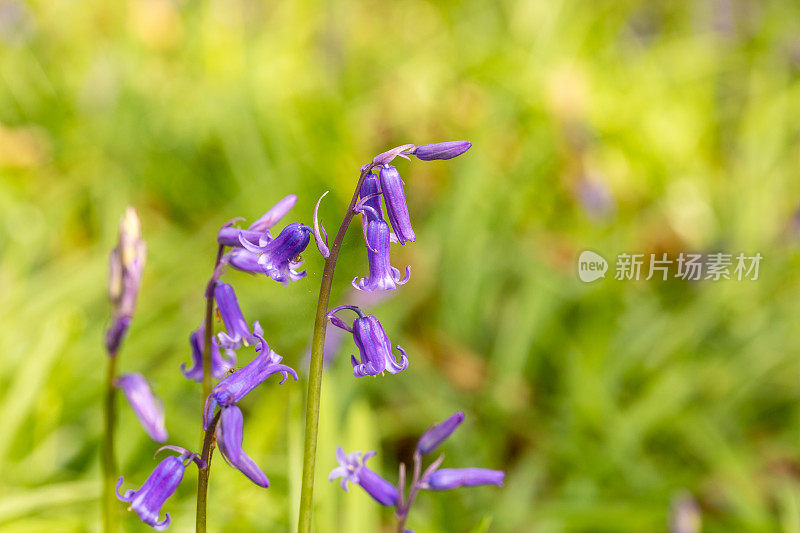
179	449
263	347
119	484
320	238
249	246
164	524
407	276
287	371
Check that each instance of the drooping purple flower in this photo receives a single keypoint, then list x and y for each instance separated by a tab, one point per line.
435	435
237	385
219	364
372	342
334	337
382	275
451	478
394	195
281	256
229	441
258	230
237	333
353	469
148	500
126	263
445	150
149	409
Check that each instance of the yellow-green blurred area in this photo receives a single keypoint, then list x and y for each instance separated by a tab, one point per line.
646	127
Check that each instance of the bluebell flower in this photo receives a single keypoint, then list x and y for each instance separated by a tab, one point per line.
382	275
238	332
237	385
281	256
451	478
335	337
353	469
148	500
149	409
445	150
126	263
219	364
229	441
394	195
435	435
372	342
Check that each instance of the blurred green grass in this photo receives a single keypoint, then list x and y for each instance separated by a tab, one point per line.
615	126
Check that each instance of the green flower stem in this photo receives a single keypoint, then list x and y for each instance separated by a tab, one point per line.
209	440
208	437
110	503
315	366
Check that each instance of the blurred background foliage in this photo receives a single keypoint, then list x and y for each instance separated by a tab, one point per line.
617	126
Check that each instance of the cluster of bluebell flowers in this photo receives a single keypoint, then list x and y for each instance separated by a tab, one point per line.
380	201
252	250
352	468
368	333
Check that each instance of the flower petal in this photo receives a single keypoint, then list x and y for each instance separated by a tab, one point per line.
322	243
148	408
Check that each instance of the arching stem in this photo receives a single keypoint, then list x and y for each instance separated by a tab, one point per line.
315	366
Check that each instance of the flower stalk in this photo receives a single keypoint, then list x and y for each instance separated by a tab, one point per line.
126	262
404	504
209	440
110	504
208	436
315	365
209	324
